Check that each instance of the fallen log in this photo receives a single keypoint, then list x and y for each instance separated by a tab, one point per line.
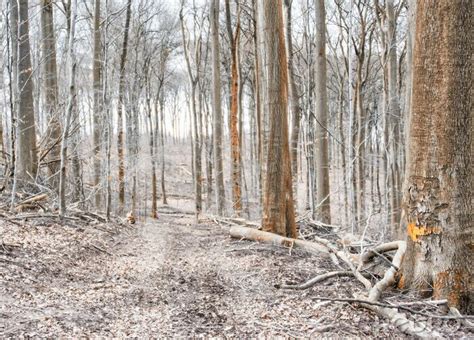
324	246
270	238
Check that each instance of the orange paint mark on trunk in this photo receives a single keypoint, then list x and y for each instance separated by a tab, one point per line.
415	231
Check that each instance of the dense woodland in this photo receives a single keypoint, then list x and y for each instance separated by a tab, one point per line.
340	128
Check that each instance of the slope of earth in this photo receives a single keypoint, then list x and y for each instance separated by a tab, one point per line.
167	278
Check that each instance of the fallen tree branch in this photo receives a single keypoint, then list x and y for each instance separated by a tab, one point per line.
310	283
389	277
404	307
266	237
382	248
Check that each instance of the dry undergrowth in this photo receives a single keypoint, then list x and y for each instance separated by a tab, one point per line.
172	278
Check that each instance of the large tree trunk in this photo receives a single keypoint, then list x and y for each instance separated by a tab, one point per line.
53	132
120	134
234	115
97	112
278	215
217	109
438	195
322	157
26	157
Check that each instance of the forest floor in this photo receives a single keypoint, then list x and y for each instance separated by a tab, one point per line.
169	278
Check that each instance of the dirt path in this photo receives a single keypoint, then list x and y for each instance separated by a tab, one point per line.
172	278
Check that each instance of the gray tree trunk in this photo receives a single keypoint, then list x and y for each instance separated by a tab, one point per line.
69	110
217	108
53	132
97	111
26	152
321	110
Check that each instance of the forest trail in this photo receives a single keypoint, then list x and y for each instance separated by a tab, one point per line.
171	278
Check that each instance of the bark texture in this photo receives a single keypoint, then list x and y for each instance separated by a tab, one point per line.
234	114
97	113
53	132
321	109
217	109
26	157
120	134
294	102
278	214
438	195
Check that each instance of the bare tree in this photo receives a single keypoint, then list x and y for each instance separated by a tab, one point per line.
53	132
69	109
26	153
97	114
322	156
439	190
234	112
193	79
278	215
120	133
216	107
294	97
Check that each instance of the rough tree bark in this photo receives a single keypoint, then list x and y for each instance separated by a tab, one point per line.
53	132
278	214
97	111
196	116
69	110
393	114
26	157
234	113
120	134
323	211
294	101
438	195
217	109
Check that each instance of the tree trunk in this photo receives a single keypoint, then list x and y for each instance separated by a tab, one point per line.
393	114
279	215
217	109
295	103
234	116
69	110
26	157
162	155
97	111
438	195
322	159
120	134
53	132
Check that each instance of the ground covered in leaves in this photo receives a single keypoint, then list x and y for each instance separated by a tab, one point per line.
170	278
